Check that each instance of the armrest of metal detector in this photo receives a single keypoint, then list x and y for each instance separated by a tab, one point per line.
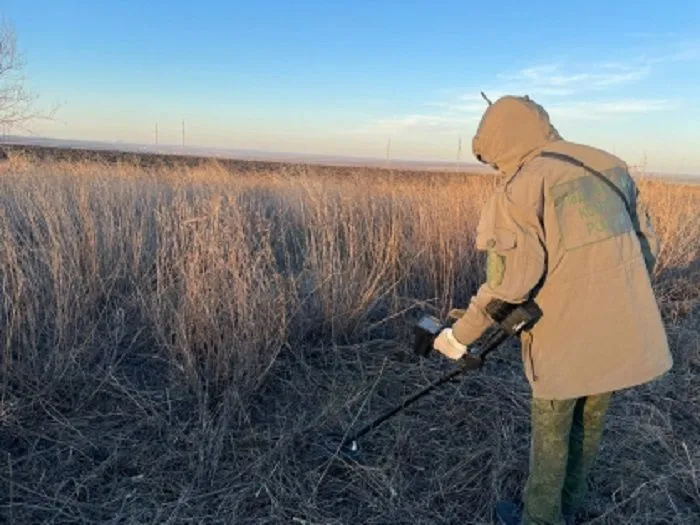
510	319
514	318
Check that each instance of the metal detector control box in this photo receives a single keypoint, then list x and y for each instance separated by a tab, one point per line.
427	329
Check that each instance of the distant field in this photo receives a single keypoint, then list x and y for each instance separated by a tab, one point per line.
178	336
245	161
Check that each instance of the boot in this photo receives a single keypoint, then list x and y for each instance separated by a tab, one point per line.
508	513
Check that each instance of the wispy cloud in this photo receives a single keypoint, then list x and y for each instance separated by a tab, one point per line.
459	106
569	91
603	110
438	123
554	79
685	52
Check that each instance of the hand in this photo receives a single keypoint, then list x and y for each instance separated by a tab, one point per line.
447	345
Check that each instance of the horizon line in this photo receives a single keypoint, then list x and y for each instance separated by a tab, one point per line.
259	155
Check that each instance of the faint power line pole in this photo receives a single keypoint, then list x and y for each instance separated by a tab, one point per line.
156	133
388	152
183	132
459	153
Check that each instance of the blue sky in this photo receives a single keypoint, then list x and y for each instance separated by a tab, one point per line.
343	77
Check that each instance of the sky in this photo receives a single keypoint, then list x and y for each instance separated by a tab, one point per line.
352	78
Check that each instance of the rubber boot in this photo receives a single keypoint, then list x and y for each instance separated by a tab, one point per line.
508	513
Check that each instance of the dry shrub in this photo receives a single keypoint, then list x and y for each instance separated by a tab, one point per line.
223	270
175	339
674	212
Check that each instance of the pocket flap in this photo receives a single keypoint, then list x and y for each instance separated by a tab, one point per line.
495	239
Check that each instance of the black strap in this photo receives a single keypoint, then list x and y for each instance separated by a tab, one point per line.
576	162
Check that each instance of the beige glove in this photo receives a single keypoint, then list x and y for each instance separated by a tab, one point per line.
447	345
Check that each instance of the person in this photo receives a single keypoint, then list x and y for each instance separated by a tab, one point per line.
568	230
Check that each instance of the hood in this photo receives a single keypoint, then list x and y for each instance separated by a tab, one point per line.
511	130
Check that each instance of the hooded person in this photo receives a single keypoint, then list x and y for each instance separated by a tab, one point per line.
569	231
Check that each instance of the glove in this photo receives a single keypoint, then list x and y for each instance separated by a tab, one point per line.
447	345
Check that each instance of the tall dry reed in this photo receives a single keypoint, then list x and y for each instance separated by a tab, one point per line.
216	272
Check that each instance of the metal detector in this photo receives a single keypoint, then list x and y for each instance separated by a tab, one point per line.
509	320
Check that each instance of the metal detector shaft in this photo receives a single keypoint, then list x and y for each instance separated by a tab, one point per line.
471	361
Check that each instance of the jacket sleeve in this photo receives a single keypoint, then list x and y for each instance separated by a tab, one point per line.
510	233
648	238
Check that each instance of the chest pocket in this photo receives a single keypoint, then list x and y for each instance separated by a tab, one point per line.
515	259
495	239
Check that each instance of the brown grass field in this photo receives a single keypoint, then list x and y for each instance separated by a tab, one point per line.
177	339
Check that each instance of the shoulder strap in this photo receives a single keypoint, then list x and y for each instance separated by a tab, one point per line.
576	162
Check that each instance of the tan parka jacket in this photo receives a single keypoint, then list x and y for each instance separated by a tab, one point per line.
560	232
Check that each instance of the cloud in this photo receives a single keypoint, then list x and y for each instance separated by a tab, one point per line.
472	97
451	123
459	107
685	52
608	109
569	91
569	79
455	119
417	123
552	79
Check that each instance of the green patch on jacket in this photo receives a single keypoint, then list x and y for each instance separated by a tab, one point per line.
588	211
495	269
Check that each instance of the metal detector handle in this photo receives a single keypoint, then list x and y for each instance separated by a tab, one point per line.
493	342
470	361
465	365
510	321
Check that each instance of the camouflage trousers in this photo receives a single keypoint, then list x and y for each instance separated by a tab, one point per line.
564	442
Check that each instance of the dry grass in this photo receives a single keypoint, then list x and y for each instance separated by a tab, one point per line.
176	340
